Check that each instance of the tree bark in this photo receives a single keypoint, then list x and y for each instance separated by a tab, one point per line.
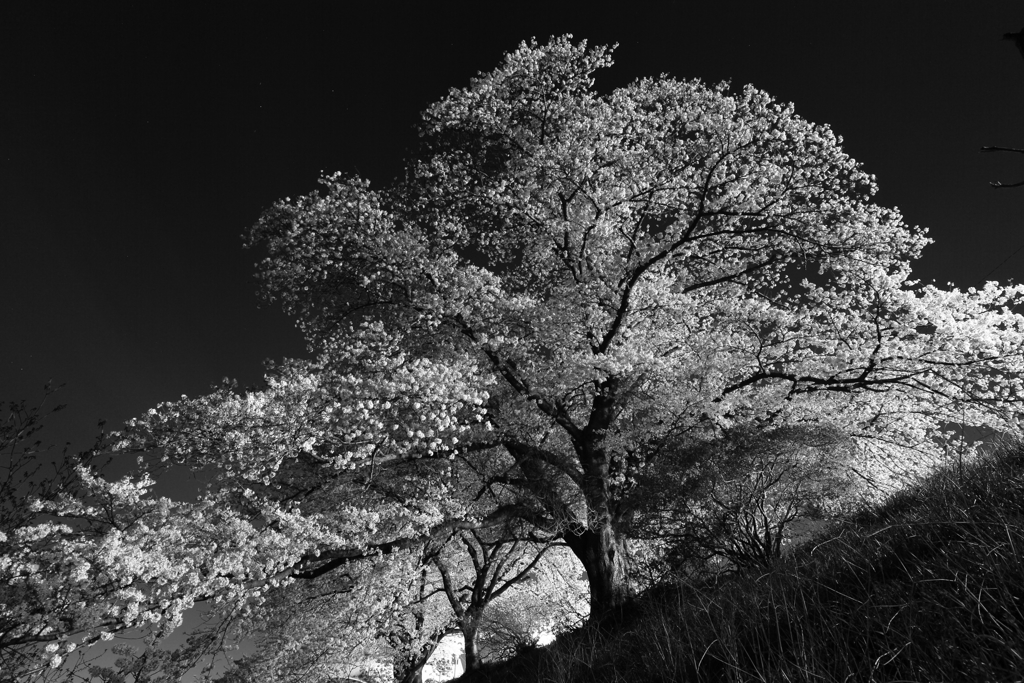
408	667
601	546
408	662
470	631
604	554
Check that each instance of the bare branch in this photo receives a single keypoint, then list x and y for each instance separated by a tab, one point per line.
1002	149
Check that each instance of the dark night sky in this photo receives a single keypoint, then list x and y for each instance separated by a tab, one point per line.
136	147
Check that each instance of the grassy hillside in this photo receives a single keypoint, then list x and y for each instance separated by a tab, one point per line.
928	587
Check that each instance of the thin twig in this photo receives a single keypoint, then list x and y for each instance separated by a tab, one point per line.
999	185
1002	149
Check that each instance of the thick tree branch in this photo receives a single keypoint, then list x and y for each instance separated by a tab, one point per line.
553	408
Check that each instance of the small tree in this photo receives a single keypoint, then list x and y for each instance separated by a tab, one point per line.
753	490
497	562
552	599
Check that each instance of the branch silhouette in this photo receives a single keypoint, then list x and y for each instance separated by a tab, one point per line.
1018	40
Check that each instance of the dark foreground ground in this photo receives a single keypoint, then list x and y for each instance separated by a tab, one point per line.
927	587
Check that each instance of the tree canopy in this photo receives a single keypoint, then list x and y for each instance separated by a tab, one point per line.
567	289
624	272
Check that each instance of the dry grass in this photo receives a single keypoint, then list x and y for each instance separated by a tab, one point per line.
928	587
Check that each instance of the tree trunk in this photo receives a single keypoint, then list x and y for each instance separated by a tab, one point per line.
601	546
605	556
409	669
409	661
470	631
408	674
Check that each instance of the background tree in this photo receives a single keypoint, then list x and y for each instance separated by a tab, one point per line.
551	600
365	614
290	429
498	561
35	612
741	498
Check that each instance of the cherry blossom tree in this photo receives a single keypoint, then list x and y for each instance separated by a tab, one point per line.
369	615
622	270
287	448
369	611
551	600
497	562
567	289
36	609
84	559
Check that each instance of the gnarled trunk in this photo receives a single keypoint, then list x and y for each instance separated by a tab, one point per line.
601	546
605	556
